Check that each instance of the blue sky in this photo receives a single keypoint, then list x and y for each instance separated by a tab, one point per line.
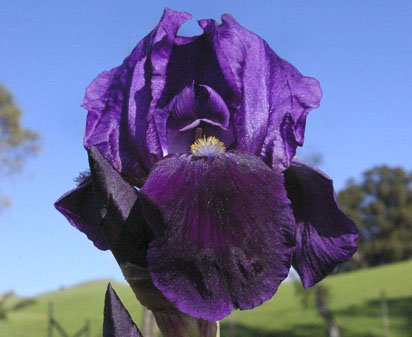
360	51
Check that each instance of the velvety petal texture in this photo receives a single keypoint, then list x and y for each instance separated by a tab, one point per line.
272	97
325	236
223	230
117	321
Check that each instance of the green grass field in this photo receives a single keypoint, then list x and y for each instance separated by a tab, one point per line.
354	299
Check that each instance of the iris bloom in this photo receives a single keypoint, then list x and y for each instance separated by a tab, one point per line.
194	186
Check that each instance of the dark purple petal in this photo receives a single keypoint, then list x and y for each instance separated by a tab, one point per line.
325	236
239	85
197	103
117	320
111	190
122	222
195	92
80	209
183	108
272	97
193	65
193	106
212	106
104	207
175	116
221	232
120	102
194	61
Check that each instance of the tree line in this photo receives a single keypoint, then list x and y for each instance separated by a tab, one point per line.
381	206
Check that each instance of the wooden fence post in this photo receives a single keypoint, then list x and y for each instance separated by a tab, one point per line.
50	320
385	315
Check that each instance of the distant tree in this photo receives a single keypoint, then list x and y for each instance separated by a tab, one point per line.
17	303
381	206
16	142
3	299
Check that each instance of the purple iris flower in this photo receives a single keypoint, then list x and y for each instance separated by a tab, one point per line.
194	186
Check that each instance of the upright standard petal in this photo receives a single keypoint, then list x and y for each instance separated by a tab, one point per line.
325	236
117	321
272	97
120	102
195	105
193	80
222	232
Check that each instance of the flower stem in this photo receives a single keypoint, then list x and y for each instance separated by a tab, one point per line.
176	324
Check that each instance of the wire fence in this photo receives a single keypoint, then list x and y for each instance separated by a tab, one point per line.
54	326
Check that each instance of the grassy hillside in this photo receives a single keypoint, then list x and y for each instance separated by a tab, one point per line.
354	299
